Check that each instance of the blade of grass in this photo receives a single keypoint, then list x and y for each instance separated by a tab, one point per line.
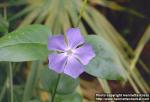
3	91
53	13
12	4
103	25
65	22
44	10
124	60
137	53
73	14
21	13
138	79
105	85
30	17
144	66
96	29
140	47
114	6
30	83
11	82
6	83
57	25
132	83
81	12
60	19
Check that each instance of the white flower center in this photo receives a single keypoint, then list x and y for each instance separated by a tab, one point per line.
69	52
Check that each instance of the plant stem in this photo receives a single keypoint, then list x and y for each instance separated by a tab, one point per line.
3	91
11	81
145	38
6	84
5	12
105	85
9	68
30	83
55	89
81	12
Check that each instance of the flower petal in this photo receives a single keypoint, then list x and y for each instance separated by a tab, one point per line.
73	67
57	43
85	53
74	37
57	62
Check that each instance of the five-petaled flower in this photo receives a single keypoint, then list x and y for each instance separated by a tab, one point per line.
72	53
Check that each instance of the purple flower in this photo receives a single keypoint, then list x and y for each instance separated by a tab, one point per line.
72	53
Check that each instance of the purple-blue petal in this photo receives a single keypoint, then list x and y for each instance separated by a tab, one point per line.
57	62
85	53
56	43
74	37
73	67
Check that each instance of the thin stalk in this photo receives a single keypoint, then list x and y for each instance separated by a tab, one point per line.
79	17
140	47
11	82
12	4
145	67
6	83
81	12
10	78
30	83
3	91
105	85
5	12
21	13
55	89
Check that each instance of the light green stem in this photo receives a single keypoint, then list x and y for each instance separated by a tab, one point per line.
3	91
10	70
55	89
81	12
29	87
104	85
11	82
145	38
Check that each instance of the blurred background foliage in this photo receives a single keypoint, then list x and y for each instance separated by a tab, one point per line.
123	23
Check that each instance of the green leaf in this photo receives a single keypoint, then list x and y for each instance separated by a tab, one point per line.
48	81
106	64
25	44
3	24
74	97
